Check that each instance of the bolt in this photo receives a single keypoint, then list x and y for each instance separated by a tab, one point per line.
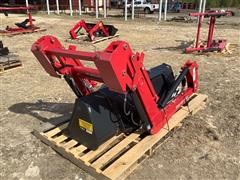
132	58
124	73
125	46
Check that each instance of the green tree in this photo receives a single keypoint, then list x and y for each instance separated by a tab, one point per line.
235	3
217	3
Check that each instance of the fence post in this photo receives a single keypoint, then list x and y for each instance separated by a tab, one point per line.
160	10
165	10
27	5
204	6
80	7
125	11
57	3
200	9
132	9
48	9
70	7
96	8
104	8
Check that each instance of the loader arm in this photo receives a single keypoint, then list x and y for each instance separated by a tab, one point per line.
77	27
122	71
92	30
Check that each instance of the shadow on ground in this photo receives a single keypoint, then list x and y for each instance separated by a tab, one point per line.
182	46
39	110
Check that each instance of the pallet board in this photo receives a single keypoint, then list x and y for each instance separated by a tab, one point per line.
120	155
84	37
230	49
10	34
9	62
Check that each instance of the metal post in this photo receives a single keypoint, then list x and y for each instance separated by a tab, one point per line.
27	3
160	10
125	11
165	10
48	9
57	3
198	30
80	7
132	9
70	7
104	8
200	9
96	8
204	6
210	31
200	6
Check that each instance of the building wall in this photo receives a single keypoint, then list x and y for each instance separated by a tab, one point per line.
85	3
64	4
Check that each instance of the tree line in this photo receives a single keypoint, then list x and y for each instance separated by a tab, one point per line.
217	3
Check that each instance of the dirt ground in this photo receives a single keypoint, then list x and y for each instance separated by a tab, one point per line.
206	146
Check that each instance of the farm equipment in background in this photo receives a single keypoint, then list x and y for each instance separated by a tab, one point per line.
209	45
23	27
94	32
3	50
8	60
131	98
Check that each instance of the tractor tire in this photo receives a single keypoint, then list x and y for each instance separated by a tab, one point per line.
147	10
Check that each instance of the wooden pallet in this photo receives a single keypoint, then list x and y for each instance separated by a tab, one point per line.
9	62
230	49
84	37
119	156
11	34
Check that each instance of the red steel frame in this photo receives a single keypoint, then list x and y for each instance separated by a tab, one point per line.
211	45
30	27
119	69
89	28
